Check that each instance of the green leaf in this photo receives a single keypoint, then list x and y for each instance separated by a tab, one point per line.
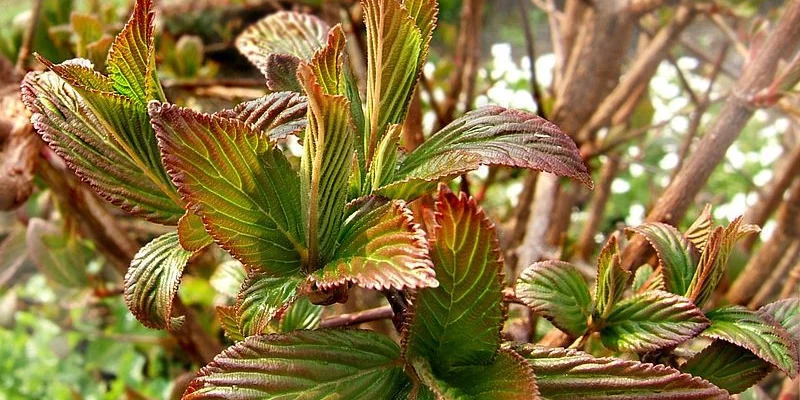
383	167
650	321
611	278
786	312
394	49
424	13
229	322
769	341
152	281
227	279
380	247
677	256
301	314
131	61
328	63
714	259
646	278
728	366
309	364
507	377
558	292
701	228
490	135
238	182
458	322
77	134
59	254
279	42
263	297
277	115
571	374
324	166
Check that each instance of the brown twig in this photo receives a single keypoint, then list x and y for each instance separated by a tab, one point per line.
773	285
27	39
530	47
586	244
370	315
711	149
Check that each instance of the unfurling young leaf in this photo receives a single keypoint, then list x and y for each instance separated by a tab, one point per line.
611	278
276	115
701	228
152	281
570	374
558	292
677	256
334	363
261	298
650	321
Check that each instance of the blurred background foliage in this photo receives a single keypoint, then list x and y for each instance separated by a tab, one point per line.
64	329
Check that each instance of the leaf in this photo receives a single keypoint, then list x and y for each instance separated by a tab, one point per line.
508	377
59	254
380	247
229	322
301	314
424	13
192	233
611	278
701	228
131	62
728	366
786	312
458	322
328	63
558	292
334	363
238	182
384	164
277	115
677	256
394	49
152	281
228	277
76	134
745	328
714	259
276	45
570	374
324	166
490	135
262	297
650	321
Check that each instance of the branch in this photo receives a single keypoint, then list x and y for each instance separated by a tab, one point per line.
778	276
586	244
735	113
374	314
27	40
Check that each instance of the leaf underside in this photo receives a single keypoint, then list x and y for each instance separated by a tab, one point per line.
152	281
728	366
570	374
334	364
380	247
458	323
558	292
238	182
277	115
651	320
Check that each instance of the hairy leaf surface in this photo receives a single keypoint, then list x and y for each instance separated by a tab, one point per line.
262	297
324	166
677	255
226	315
650	321
769	341
558	292
785	312
458	323
238	182
380	247
394	48
611	278
728	366
277	115
77	134
569	374
334	363
490	135
152	281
